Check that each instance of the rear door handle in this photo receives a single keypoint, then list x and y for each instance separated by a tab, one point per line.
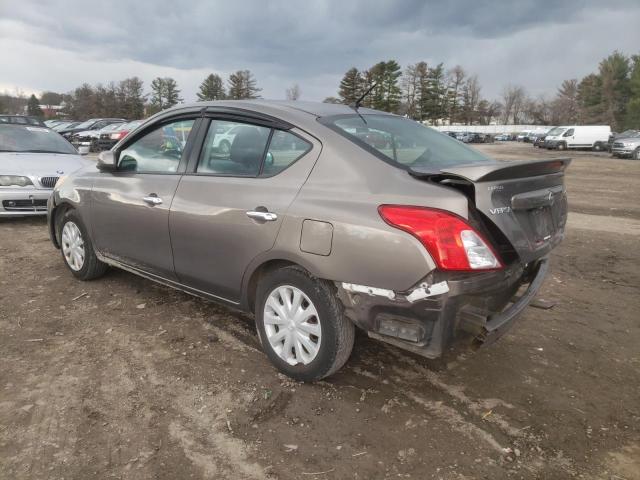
264	216
153	199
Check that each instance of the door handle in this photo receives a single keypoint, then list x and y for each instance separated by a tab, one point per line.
264	216
153	200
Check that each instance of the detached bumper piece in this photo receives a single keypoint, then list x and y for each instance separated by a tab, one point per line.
444	308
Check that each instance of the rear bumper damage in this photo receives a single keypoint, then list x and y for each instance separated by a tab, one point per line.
445	308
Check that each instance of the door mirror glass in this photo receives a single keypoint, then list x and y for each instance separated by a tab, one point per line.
106	161
159	151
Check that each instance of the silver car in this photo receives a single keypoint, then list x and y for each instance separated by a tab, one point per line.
32	159
318	219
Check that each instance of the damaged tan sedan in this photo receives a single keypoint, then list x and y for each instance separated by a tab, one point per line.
318	219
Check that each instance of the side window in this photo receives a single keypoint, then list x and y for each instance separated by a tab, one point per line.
569	132
159	151
233	148
285	148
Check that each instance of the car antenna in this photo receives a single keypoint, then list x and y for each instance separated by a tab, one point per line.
355	105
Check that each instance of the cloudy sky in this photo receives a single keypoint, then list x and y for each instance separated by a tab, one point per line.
57	45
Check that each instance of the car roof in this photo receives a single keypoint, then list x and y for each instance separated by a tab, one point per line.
278	107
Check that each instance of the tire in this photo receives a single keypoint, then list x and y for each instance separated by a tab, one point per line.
597	147
90	267
636	154
336	332
562	146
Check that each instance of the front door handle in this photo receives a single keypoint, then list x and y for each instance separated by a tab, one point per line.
264	216
153	199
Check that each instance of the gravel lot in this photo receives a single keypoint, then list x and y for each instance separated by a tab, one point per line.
122	378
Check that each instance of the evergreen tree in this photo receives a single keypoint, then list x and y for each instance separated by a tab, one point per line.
590	99
158	93
212	88
391	91
242	85
172	93
632	119
131	98
33	107
566	103
350	86
422	89
614	75
434	102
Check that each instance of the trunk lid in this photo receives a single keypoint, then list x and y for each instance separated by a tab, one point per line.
525	200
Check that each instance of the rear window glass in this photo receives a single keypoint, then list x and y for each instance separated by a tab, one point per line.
403	142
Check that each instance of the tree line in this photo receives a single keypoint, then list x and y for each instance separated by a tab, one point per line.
430	93
443	96
128	99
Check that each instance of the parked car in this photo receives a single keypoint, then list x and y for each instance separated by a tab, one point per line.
62	125
628	146
418	245
593	137
32	159
21	120
89	138
51	122
503	137
91	124
464	137
614	136
108	139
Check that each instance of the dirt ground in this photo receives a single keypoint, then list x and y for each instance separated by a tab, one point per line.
121	378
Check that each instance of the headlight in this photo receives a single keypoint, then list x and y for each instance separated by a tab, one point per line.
14	180
628	144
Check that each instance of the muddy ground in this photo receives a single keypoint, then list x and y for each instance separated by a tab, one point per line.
121	378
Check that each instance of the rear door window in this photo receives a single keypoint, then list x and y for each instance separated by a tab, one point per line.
233	148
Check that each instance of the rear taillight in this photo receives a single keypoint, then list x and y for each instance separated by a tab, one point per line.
452	243
118	135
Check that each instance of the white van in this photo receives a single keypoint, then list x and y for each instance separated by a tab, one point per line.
594	137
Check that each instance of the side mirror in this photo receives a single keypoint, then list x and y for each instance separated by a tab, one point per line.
106	161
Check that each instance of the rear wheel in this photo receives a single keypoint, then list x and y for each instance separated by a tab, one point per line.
77	249
597	147
301	324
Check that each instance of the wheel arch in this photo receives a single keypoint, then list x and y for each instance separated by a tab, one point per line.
259	268
56	214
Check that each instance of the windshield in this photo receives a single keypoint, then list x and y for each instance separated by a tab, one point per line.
86	124
403	142
554	132
16	138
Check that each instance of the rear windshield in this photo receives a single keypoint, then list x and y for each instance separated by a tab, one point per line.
17	138
403	142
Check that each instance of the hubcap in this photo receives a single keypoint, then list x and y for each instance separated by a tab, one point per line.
73	246
292	325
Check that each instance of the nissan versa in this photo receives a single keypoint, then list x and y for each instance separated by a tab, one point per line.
319	218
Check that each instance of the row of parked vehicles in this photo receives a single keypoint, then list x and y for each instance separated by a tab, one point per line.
95	134
470	137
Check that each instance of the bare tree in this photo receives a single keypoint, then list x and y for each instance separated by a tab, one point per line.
565	107
513	97
455	78
409	85
471	98
294	92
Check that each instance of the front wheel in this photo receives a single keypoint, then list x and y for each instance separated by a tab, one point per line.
301	324
562	146
77	249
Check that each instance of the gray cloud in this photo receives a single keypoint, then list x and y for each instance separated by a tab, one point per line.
534	43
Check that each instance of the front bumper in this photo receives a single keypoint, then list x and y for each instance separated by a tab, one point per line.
445	308
20	202
551	144
623	152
